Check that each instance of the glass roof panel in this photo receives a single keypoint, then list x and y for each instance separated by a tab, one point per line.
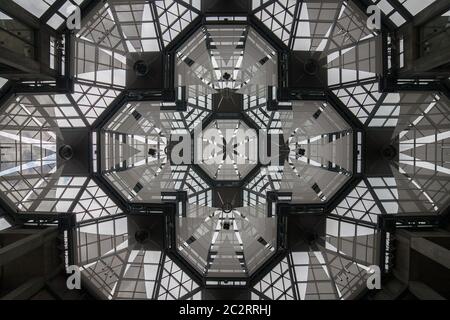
321	152
120	268
60	13
359	204
332	271
4	224
3	81
31	177
215	52
278	16
175	16
314	25
36	7
272	287
226	243
414	7
120	28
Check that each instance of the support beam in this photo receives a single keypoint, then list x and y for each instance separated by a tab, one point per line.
432	250
401	9
26	291
36	64
426	54
430	62
436	9
17	64
17	12
424	292
52	10
21	247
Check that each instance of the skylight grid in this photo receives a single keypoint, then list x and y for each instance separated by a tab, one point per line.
35	7
174	17
415	7
276	285
62	12
359	204
391	12
361	100
315	25
279	17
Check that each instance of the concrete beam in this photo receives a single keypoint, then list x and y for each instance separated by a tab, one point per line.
430	62
431	250
435	10
18	231
17	12
18	67
22	247
424	292
26	290
21	63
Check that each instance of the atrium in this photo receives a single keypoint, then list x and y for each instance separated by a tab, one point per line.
225	149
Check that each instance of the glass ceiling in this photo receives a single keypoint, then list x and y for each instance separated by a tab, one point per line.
334	271
136	161
392	9
230	243
319	140
235	50
232	159
122	27
119	270
217	240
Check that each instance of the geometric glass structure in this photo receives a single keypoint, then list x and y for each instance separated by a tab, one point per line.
316	142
